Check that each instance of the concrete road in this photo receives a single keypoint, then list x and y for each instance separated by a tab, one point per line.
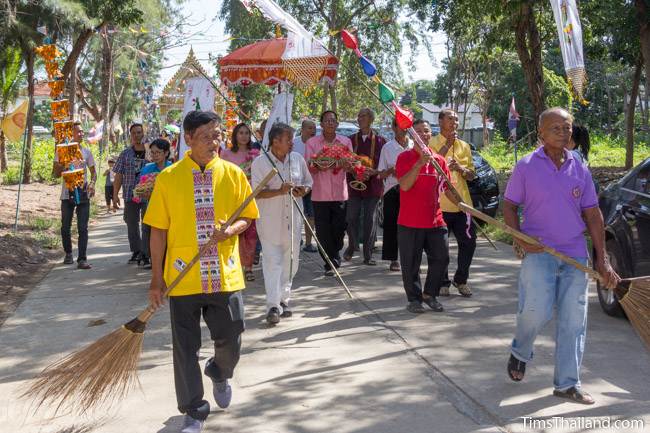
339	365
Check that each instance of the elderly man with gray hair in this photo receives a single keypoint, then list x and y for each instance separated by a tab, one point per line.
559	203
366	143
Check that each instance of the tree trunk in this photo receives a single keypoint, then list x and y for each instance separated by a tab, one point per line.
107	68
643	17
69	69
71	86
629	116
609	105
529	51
325	96
333	102
3	152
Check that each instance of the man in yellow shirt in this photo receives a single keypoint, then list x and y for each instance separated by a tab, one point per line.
459	160
190	201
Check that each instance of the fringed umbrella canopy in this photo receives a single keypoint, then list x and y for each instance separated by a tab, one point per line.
261	63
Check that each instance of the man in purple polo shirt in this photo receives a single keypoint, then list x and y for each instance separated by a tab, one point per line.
558	197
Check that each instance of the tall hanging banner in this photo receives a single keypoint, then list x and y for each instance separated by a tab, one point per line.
14	124
513	120
280	113
199	95
567	21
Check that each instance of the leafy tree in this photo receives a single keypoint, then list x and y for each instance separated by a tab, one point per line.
381	36
124	62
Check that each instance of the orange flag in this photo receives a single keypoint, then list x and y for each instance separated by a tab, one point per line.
14	124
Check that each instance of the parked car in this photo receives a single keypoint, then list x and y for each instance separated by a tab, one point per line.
626	209
344	128
484	188
40	130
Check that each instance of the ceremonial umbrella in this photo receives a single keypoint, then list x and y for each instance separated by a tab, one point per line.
261	63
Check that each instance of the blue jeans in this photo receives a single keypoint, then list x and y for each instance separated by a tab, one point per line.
546	282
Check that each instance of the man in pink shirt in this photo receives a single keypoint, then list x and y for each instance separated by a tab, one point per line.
330	190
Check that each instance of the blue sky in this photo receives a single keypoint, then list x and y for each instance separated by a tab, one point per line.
206	34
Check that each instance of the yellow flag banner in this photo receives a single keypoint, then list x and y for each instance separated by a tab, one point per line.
14	124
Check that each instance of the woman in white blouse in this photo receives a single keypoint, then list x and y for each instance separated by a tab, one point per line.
280	224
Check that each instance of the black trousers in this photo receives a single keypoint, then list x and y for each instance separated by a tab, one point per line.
353	210
412	242
146	235
83	214
133	214
223	312
108	194
389	248
457	224
329	219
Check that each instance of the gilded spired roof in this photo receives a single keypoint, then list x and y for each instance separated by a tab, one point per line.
174	92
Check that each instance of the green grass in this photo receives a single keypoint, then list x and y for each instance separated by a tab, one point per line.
40	223
606	151
45	230
495	233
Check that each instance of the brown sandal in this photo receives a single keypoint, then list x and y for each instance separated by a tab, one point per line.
576	395
516	366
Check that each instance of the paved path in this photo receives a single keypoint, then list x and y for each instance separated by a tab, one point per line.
339	365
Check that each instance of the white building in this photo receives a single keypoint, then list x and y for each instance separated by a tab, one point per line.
473	128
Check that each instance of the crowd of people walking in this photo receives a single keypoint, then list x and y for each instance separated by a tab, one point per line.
193	197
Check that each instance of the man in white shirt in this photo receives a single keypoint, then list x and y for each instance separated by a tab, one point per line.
81	203
280	225
386	167
307	131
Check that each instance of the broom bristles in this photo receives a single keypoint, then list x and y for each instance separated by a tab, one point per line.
636	304
96	375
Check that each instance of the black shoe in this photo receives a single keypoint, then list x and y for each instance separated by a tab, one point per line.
286	311
145	263
273	316
135	258
415	307
68	260
433	303
329	273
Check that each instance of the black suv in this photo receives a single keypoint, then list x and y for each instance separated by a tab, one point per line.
626	208
484	188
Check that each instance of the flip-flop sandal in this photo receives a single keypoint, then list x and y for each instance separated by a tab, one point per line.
395	267
515	365
250	276
576	395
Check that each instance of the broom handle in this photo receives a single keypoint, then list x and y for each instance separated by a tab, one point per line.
148	312
528	239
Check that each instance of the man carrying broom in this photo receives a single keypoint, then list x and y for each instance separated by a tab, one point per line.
190	201
559	201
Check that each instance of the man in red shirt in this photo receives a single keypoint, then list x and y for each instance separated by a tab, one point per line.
420	223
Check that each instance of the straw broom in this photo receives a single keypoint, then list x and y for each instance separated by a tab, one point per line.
633	293
106	370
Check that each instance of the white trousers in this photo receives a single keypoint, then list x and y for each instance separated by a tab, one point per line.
276	266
